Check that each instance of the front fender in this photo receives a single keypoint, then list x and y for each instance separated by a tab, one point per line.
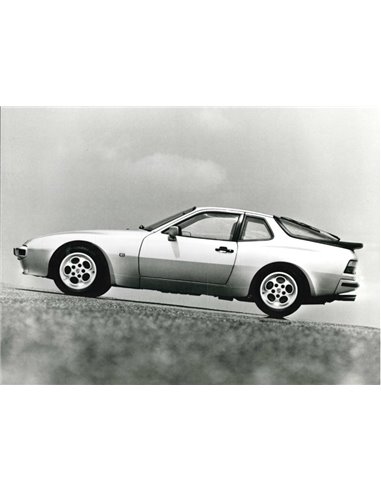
120	248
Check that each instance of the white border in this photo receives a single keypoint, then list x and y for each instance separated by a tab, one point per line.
293	53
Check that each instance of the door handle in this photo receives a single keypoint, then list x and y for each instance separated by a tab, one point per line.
224	249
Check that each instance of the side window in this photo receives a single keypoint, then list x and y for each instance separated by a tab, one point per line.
210	225
255	229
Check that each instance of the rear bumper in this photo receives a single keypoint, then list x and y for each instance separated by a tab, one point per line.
346	285
331	298
341	293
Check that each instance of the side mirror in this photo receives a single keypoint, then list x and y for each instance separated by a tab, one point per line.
173	231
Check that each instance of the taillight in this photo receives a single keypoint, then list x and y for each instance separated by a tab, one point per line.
351	267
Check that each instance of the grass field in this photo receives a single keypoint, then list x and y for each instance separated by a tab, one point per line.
50	338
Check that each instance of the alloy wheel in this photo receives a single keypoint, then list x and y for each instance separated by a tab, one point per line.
278	290
78	270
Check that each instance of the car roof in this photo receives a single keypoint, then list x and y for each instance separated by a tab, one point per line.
233	210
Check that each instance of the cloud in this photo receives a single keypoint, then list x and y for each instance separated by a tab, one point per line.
175	171
213	120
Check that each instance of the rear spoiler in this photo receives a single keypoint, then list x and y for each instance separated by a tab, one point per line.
347	245
337	242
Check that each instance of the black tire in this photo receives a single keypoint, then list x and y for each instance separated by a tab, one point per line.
269	298
93	278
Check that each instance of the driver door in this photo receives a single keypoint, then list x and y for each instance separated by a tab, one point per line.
204	252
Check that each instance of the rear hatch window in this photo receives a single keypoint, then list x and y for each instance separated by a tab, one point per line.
304	231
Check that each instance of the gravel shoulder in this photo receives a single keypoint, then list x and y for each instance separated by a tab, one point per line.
49	338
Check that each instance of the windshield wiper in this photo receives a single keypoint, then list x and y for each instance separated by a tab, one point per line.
144	228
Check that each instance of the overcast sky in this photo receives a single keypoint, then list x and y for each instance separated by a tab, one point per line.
65	169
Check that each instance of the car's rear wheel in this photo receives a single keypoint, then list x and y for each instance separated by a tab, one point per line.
279	292
81	271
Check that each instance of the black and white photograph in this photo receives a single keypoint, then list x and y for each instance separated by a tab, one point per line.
190	245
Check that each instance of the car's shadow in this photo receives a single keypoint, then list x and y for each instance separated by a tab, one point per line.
167	304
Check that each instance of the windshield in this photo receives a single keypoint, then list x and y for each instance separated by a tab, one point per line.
159	223
305	231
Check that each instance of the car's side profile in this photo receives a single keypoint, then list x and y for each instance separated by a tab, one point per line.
276	262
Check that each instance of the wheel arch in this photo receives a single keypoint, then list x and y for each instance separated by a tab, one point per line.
88	244
283	264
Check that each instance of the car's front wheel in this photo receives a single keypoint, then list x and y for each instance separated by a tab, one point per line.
279	292
81	271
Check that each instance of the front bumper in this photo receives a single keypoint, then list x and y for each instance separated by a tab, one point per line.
33	261
20	252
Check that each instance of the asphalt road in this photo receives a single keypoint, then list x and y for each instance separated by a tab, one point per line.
51	338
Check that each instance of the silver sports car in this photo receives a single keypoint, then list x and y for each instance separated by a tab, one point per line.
277	262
